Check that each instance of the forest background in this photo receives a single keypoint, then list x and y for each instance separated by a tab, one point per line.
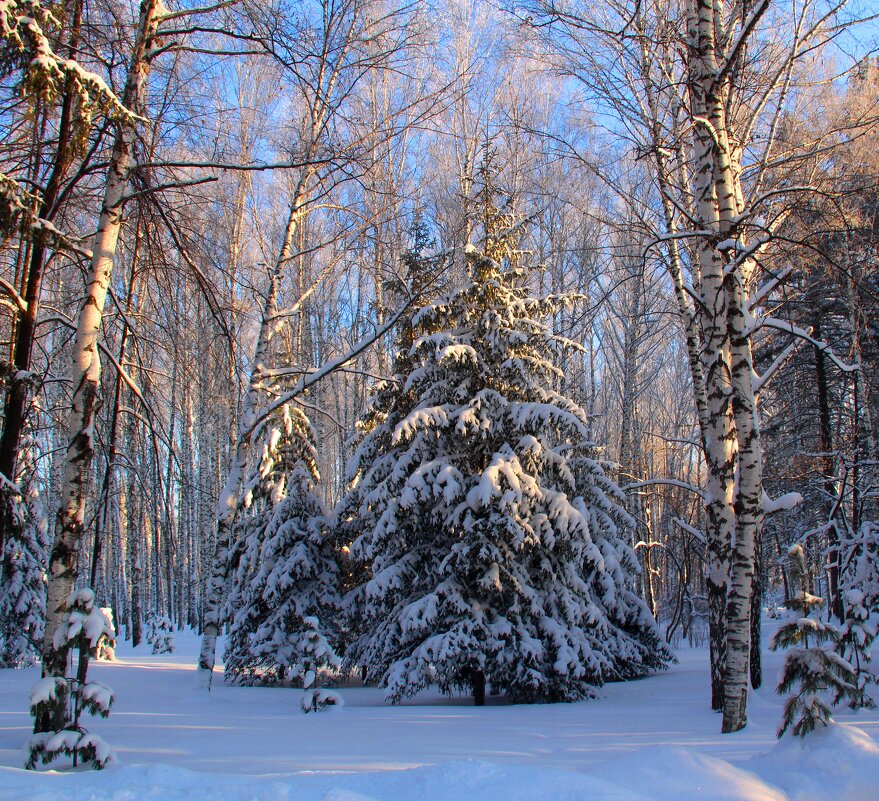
703	175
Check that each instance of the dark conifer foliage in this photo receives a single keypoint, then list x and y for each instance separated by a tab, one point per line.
492	540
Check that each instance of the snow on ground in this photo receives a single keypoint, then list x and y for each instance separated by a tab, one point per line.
650	740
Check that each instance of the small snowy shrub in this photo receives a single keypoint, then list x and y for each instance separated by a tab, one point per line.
160	634
106	651
316	700
63	699
814	673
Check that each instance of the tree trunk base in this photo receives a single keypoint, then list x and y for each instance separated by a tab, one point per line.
478	688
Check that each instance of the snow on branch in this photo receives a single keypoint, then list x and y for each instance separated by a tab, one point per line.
770	286
783	503
695	532
17	204
23	27
760	381
804	334
670	482
17	299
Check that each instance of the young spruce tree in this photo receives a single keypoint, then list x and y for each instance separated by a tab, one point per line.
63	699
861	595
285	585
491	539
814	674
23	566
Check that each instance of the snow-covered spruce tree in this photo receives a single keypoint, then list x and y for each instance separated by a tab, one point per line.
491	536
861	596
390	401
160	634
65	698
23	566
286	578
814	673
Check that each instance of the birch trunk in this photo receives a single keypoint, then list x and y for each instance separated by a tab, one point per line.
102	517
749	515
735	480
718	430
86	369
704	333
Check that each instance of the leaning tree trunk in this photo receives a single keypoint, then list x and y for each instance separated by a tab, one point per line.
227	505
86	369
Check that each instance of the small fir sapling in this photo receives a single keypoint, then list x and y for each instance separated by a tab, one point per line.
63	699
106	651
315	655
817	677
160	634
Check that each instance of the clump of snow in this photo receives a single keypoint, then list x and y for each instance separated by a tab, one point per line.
97	697
106	644
46	690
834	763
83	618
783	503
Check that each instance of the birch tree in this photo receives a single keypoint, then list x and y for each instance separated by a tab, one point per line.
704	107
85	372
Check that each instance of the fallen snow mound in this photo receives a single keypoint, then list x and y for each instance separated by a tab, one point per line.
677	774
837	764
452	781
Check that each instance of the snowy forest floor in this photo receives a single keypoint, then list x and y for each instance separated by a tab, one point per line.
650	740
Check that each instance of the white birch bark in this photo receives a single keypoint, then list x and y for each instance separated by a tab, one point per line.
749	514
703	328
719	201
718	433
86	369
